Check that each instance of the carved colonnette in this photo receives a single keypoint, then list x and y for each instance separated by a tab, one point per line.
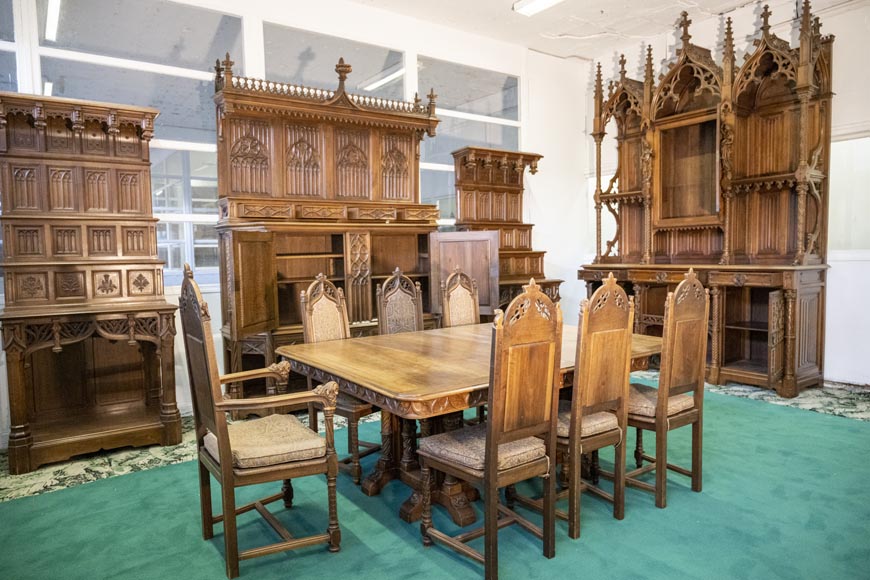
87	332
489	196
313	181
723	167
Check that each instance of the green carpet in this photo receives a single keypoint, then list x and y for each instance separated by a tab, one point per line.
785	496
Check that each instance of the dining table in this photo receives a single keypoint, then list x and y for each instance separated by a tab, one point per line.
430	376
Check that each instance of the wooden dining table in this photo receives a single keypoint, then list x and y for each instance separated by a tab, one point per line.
430	376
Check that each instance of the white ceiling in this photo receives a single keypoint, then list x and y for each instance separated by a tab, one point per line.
574	28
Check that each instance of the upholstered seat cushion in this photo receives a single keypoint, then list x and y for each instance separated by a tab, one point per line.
591	425
269	441
642	401
467	447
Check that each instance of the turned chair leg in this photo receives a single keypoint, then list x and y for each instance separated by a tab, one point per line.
697	447
426	516
231	540
638	447
287	490
490	538
662	468
332	529
205	502
619	480
353	448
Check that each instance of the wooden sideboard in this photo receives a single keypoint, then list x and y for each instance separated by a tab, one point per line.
87	333
724	169
489	196
310	181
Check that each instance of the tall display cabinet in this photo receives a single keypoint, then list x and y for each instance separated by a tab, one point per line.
313	181
723	168
87	333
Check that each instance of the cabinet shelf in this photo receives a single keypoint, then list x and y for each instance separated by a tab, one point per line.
750	325
747	365
307	280
408	274
307	256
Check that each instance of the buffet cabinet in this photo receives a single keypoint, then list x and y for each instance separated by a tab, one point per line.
87	333
489	196
725	169
313	181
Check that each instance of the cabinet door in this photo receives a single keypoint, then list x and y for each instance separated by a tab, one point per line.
476	253
358	275
254	284
775	338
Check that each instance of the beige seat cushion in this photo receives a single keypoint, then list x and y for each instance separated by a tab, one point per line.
467	447
269	441
591	425
642	401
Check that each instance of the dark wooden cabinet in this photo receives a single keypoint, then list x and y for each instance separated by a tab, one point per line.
489	196
87	333
313	181
724	169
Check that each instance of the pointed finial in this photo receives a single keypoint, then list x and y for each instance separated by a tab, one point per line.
228	65
432	96
684	24
765	17
649	62
806	16
188	273
343	70
598	82
416	100
622	67
729	37
817	26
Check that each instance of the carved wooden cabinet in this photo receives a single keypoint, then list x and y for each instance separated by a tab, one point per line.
724	168
489	196
87	333
310	181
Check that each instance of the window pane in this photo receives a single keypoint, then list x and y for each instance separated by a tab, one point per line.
186	106
469	89
438	187
151	30
204	233
204	195
205	256
307	58
167	195
7	31
455	133
8	75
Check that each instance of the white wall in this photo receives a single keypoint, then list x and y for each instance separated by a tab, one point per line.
848	321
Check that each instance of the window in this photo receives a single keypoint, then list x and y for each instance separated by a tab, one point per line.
309	59
7	31
8	73
476	107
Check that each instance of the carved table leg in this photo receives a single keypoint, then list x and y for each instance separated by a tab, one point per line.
20	438
387	467
638	447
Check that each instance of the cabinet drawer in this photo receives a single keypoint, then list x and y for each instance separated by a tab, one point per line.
657	276
765	279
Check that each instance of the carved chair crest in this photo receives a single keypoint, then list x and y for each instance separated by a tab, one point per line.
400	304
460	299
324	311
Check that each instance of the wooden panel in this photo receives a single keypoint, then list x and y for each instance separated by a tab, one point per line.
250	165
394	251
476	253
775	337
304	175
137	242
358	282
529	385
97	190
22	133
397	150
28	241
254	276
61	189
130	192
353	164
60	381
117	373
66	240
96	141
101	241
25	187
128	143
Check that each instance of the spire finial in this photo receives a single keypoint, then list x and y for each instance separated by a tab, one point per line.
729	36
343	70
622	67
765	18
649	61
684	24
599	91
432	96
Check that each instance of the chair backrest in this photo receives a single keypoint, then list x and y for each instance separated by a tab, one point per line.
400	305
603	359
459	300
202	364
324	312
524	370
684	341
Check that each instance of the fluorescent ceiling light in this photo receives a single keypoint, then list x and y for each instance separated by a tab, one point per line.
51	20
532	7
47	87
384	80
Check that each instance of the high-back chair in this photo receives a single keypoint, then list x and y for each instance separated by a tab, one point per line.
272	448
679	399
518	441
400	304
324	318
459	300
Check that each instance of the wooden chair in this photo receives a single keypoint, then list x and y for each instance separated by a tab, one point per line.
518	441
400	305
324	317
459	300
273	448
595	417
679	399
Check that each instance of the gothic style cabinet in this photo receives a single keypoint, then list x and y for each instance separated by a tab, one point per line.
310	181
724	169
489	192
87	333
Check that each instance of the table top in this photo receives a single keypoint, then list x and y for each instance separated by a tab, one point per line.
428	365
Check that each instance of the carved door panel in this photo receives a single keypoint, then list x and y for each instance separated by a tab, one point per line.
775	338
358	275
254	284
476	253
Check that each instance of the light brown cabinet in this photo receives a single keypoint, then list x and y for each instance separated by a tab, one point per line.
87	333
724	169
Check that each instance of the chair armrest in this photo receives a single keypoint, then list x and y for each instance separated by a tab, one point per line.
325	394
279	371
